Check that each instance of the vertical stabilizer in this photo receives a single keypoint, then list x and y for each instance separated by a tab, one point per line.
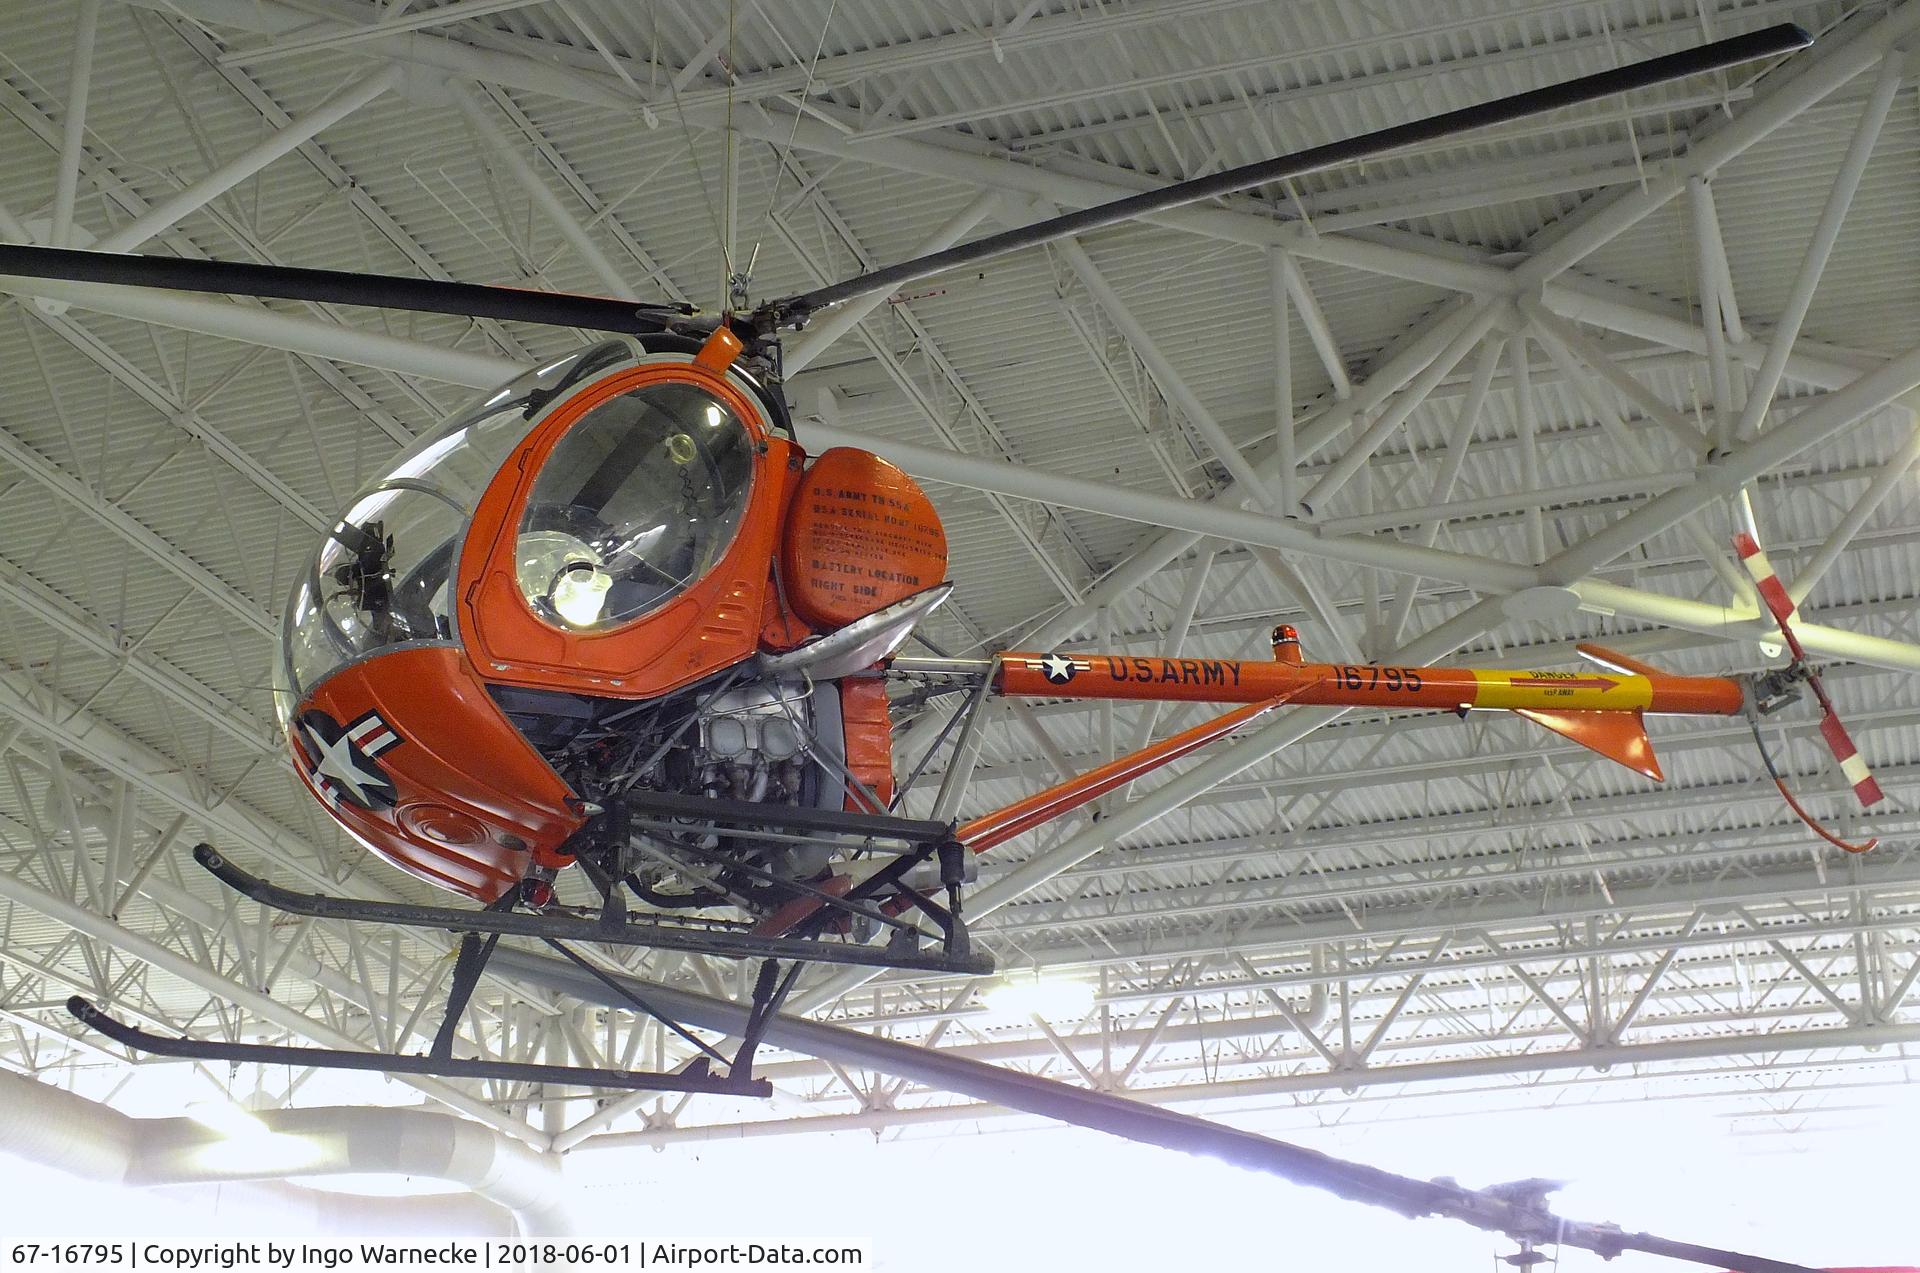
1619	736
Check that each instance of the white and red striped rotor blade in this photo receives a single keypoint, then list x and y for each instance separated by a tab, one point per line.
1840	743
1767	583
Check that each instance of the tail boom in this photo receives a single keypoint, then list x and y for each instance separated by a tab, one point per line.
1119	676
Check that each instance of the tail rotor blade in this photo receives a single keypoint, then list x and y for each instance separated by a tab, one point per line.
1767	583
1840	743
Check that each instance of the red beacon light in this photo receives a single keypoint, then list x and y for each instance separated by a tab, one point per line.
619	572
1286	645
536	893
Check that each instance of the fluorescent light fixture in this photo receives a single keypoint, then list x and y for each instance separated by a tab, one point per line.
1017	999
226	1118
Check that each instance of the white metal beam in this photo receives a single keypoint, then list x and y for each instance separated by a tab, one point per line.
1787	92
86	23
473	108
250	161
1474	572
1813	263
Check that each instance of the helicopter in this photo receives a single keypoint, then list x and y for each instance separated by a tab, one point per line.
613	619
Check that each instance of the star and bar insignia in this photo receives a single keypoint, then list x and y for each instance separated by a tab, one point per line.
1058	668
340	760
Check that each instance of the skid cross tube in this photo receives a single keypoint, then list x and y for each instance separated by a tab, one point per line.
751	816
727	943
92	1016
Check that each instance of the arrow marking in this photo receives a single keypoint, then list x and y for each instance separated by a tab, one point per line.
1601	683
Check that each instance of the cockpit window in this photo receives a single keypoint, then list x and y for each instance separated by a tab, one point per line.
384	574
635	503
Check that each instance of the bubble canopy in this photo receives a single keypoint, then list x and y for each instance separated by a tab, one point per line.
638	500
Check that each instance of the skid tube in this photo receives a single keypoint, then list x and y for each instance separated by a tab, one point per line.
692	1080
725	943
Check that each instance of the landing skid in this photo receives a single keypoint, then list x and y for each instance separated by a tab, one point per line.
691	1080
610	927
476	948
481	931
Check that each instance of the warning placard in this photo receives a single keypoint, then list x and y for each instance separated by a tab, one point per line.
860	535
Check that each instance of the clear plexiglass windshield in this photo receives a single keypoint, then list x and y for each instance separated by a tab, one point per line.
634	504
384	573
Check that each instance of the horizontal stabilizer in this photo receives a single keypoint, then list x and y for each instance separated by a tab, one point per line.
1619	736
1615	661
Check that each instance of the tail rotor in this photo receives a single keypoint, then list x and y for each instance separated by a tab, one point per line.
1773	690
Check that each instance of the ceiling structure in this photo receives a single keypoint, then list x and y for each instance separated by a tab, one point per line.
1556	353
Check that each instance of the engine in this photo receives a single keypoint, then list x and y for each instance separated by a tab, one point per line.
751	743
779	741
747	745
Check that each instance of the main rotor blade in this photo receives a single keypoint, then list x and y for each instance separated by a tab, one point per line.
1708	57
338	287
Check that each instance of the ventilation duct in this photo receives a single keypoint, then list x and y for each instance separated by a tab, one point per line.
522	1188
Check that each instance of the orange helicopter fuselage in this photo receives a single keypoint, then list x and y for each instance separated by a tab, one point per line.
468	803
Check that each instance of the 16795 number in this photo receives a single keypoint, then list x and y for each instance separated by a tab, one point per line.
1374	676
69	1252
